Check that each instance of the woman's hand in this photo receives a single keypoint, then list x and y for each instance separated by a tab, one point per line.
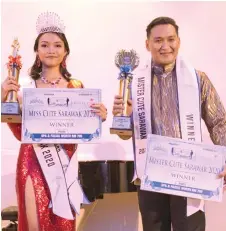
9	84
100	110
223	175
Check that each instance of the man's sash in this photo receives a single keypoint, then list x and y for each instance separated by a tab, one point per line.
189	109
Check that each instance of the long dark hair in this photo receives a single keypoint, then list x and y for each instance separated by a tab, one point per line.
36	69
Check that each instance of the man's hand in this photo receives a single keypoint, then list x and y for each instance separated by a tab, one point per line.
118	106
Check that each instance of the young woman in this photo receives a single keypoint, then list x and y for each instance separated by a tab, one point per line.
49	70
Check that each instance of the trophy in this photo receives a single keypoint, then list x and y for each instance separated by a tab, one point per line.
10	107
126	61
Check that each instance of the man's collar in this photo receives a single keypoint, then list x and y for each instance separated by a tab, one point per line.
161	70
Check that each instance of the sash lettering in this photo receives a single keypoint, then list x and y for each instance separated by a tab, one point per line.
61	175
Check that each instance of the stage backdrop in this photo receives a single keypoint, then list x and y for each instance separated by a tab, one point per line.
96	31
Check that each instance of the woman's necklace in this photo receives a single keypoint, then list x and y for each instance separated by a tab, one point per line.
52	83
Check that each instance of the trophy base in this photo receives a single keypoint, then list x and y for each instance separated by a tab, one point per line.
10	112
11	118
121	126
121	132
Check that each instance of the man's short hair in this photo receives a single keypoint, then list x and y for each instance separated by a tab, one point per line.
161	21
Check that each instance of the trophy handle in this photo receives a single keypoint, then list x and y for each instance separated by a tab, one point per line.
124	91
12	95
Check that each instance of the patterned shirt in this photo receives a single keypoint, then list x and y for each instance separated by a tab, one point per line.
165	105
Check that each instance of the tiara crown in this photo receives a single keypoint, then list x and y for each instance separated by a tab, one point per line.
49	22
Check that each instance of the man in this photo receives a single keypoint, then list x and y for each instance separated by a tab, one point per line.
166	93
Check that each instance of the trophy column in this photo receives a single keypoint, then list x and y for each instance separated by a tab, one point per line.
10	108
126	61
